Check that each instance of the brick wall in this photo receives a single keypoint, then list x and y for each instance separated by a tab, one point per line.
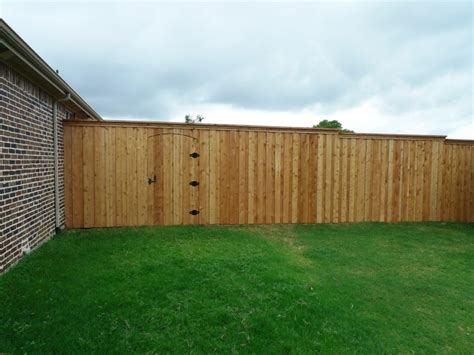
27	215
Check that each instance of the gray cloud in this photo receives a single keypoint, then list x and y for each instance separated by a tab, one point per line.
146	60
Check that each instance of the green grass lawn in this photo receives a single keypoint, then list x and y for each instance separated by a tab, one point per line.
301	289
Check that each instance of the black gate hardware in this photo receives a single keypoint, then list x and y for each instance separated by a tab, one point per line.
194	155
150	181
194	212
194	183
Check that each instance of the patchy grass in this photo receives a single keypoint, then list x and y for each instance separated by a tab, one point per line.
301	288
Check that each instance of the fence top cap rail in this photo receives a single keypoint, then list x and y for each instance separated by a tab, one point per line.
183	125
391	136
460	141
129	123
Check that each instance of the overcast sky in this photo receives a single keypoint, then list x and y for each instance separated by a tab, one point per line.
375	66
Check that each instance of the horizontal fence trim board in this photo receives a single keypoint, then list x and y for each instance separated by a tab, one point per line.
390	135
307	130
460	141
200	126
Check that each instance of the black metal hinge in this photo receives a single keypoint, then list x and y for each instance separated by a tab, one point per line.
194	183
194	212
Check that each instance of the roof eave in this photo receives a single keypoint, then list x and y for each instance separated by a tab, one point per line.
21	50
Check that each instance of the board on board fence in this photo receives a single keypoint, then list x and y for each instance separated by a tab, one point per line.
128	174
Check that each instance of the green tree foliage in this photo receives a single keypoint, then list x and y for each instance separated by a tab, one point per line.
190	119
332	124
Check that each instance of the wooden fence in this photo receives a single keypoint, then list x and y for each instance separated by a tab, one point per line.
248	175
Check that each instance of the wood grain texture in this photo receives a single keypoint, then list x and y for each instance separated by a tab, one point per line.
253	175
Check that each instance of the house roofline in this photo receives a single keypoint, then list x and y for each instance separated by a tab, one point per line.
58	87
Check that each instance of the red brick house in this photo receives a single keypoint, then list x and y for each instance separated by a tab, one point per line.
34	102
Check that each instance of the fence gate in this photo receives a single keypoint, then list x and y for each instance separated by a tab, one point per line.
175	158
